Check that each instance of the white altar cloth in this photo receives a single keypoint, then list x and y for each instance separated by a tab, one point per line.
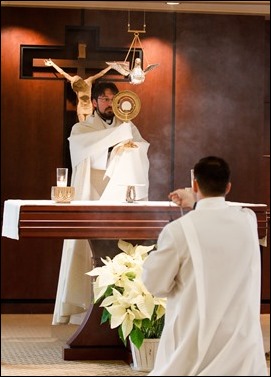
10	228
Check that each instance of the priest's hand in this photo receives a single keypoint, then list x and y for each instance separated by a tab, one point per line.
123	146
130	144
184	198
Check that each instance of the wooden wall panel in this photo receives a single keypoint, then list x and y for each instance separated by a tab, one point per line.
31	149
219	98
208	96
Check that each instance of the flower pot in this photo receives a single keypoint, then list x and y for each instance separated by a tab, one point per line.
143	358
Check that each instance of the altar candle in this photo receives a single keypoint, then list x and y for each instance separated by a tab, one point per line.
61	177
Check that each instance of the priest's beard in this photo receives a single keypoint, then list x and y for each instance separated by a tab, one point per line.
107	115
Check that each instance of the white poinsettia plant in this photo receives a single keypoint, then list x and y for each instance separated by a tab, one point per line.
127	304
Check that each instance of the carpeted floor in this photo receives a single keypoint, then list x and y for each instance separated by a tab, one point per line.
31	346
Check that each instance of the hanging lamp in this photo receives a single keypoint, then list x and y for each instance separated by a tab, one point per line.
136	74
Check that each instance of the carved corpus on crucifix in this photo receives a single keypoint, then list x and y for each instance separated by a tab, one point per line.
82	87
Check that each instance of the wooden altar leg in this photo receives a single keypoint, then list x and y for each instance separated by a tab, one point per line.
92	340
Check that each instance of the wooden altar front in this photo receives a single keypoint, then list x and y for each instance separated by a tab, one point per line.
96	221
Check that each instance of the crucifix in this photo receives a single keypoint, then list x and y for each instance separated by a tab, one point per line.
82	87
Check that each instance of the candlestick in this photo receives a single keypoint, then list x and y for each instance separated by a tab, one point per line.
61	177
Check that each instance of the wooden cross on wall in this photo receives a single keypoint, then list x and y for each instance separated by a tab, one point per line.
80	41
81	64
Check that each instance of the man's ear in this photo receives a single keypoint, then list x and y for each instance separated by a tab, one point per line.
228	188
94	102
195	186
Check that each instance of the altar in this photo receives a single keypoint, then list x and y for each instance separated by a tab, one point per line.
96	220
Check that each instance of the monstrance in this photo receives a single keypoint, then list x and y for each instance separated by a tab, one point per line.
126	105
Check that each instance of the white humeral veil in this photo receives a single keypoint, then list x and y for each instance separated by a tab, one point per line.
89	143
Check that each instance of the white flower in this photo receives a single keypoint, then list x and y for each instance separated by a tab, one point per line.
118	284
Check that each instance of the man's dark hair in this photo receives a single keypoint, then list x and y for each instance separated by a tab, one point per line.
212	174
99	89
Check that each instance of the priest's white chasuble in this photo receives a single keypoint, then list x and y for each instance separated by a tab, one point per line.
97	175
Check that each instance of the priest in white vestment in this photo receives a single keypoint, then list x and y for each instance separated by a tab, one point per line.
107	155
207	264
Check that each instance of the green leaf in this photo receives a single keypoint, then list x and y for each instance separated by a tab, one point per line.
105	316
109	290
138	323
137	337
153	328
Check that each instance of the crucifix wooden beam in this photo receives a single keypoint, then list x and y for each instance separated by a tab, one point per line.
81	64
81	55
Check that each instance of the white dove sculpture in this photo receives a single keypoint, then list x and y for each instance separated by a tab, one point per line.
137	74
